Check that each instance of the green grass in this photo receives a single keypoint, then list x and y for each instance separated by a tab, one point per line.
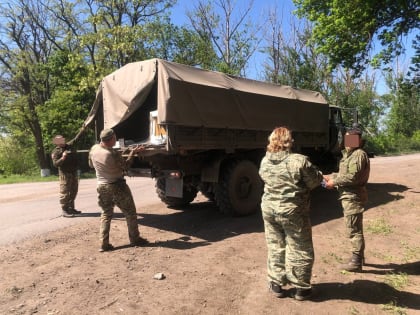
384	256
13	179
393	308
379	226
410	252
331	257
397	280
354	311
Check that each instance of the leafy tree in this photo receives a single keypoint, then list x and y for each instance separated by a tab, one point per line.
357	96
179	44
24	79
64	112
345	30
112	33
404	101
292	60
15	159
233	37
54	52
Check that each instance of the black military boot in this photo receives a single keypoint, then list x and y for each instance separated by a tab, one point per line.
276	289
67	214
302	294
355	263
74	211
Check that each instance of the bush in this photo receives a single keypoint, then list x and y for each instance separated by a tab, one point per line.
15	159
393	144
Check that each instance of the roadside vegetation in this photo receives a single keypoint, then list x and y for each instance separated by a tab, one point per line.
54	53
36	177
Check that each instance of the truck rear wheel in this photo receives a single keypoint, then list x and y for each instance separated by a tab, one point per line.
188	195
239	190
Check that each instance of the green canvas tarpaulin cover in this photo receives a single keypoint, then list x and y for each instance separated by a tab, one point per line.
190	96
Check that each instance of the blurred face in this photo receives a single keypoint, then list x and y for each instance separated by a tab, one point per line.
351	141
60	141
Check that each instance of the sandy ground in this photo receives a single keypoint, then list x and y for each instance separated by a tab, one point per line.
213	264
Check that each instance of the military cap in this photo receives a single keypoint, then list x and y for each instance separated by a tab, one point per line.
106	134
354	131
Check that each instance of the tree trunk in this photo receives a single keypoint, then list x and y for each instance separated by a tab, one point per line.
40	151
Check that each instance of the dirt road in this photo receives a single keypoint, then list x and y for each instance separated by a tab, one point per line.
216	265
31	209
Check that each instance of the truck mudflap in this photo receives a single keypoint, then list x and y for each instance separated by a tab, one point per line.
174	193
174	187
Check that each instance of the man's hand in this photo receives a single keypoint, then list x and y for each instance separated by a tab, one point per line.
329	183
135	149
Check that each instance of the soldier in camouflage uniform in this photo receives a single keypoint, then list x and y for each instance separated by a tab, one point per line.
112	189
288	179
351	184
65	159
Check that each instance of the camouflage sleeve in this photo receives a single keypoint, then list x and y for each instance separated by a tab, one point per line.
348	176
263	169
56	158
311	175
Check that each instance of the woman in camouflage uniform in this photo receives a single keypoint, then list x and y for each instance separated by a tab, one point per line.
288	179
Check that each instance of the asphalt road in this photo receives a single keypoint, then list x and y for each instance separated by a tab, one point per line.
31	209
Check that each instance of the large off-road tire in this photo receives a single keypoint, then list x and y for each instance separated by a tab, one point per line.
239	189
188	195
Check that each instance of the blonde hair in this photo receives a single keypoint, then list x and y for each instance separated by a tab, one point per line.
280	140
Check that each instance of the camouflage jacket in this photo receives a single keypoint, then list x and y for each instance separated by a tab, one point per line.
69	164
288	179
353	174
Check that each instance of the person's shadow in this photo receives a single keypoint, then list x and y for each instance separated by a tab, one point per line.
365	291
383	193
325	205
199	224
412	268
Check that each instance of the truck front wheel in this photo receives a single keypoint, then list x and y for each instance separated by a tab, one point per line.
188	195
239	189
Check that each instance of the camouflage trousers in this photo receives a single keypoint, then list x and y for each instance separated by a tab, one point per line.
290	248
69	185
118	194
353	220
354	231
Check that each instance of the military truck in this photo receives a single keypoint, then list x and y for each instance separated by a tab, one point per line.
207	131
